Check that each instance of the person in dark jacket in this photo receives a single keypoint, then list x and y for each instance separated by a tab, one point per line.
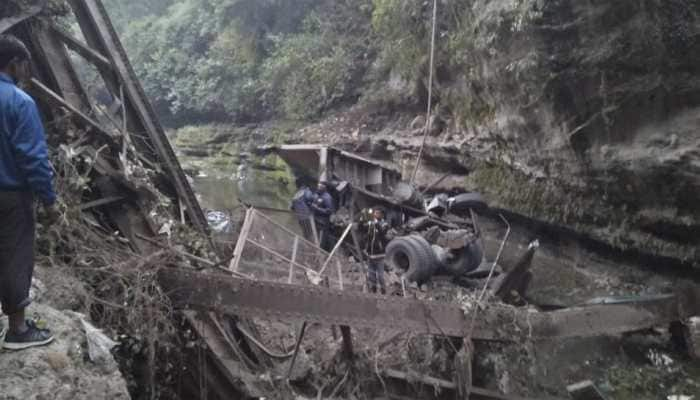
301	205
322	208
377	229
25	174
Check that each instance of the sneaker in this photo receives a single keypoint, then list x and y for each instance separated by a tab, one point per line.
33	337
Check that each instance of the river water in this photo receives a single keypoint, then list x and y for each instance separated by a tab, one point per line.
225	187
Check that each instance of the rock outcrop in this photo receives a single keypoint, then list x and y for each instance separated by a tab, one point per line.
62	370
584	115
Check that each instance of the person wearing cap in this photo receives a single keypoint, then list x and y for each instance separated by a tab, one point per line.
322	208
25	175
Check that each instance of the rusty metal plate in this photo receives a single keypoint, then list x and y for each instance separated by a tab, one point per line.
222	293
309	303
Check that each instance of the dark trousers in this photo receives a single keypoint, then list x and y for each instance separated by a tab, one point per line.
325	237
375	275
16	250
306	229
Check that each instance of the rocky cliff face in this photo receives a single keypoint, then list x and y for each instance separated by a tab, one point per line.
580	114
584	115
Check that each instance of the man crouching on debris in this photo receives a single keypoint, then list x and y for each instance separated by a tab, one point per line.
377	229
25	172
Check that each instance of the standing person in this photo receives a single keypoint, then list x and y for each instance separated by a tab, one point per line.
25	173
301	205
377	229
323	207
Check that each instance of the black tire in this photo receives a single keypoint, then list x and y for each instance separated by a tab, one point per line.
400	254
465	201
429	262
466	260
413	255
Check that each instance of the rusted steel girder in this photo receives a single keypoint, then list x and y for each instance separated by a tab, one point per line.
8	21
222	293
106	46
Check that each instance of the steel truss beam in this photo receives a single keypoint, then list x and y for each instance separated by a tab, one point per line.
225	294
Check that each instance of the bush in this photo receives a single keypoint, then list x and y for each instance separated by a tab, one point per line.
218	60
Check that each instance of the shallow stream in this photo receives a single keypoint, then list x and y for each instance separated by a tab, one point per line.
222	186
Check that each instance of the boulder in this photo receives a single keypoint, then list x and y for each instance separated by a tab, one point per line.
62	370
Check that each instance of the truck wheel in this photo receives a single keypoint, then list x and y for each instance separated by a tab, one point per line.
465	201
466	260
429	262
412	254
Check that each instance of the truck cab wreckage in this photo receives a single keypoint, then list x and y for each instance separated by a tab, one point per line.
276	273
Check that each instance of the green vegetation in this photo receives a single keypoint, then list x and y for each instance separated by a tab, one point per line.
641	382
205	61
221	60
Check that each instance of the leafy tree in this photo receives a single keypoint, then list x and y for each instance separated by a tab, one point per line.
221	60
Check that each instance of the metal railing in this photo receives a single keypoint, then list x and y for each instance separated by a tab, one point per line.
270	251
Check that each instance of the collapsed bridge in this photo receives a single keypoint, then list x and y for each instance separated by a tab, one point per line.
278	275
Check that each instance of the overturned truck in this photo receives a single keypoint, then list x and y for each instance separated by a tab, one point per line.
428	236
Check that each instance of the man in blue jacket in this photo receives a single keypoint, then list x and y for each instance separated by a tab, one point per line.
25	174
322	208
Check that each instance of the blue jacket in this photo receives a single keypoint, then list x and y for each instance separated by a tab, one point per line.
301	204
323	207
24	160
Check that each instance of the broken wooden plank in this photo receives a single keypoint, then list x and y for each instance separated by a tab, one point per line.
585	390
188	289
